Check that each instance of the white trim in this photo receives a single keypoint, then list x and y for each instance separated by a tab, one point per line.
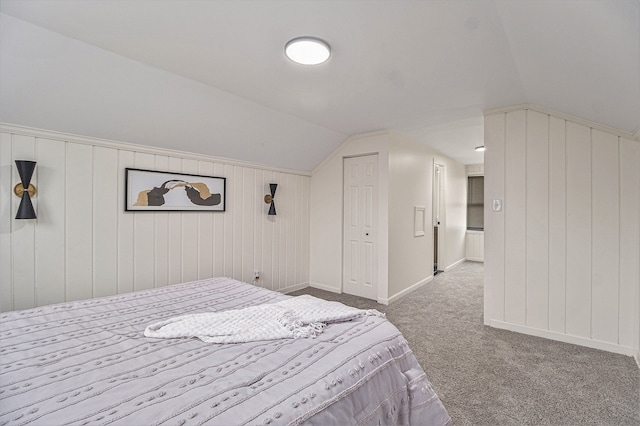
419	216
475	259
326	287
410	289
566	338
563	116
454	264
293	288
126	146
637	357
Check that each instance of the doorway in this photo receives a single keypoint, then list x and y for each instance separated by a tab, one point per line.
438	218
360	226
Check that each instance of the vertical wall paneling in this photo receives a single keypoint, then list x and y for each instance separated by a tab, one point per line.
537	215
629	241
579	206
143	235
190	234
205	231
248	204
275	251
23	148
105	221
298	233
290	246
267	236
494	158
557	224
238	186
605	251
578	282
229	221
6	219
50	231
85	245
79	221
280	233
474	242
218	230
515	217
175	233
258	220
125	229
304	247
161	235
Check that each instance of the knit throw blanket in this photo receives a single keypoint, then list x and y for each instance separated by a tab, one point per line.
297	317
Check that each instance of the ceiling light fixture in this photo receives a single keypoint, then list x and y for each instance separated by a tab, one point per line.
307	50
480	148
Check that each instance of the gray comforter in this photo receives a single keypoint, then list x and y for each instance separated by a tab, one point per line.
88	362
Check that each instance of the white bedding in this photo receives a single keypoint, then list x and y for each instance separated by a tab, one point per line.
89	363
297	317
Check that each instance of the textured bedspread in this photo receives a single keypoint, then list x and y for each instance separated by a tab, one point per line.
88	362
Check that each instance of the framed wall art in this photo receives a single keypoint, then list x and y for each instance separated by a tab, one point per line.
156	191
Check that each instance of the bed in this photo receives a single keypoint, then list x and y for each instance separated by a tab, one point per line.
88	362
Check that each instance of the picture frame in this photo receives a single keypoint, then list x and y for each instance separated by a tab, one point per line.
159	191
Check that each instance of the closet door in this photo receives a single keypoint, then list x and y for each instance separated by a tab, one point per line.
360	218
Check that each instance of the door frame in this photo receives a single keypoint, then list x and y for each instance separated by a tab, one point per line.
441	214
383	222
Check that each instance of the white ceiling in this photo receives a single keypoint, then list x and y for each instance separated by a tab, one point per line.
426	69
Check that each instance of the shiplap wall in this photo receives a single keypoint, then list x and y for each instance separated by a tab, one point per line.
562	258
474	245
84	245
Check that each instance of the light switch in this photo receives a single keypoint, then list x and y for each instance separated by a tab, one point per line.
497	205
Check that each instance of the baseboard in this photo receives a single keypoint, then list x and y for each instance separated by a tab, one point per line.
454	264
475	259
293	288
637	357
410	289
566	338
325	287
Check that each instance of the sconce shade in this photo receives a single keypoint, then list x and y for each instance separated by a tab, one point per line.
25	210
269	199
25	170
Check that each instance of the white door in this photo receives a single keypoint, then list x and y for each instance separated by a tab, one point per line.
360	250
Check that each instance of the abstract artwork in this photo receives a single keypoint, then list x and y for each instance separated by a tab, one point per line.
149	190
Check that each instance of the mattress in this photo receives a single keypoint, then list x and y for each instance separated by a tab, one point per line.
88	362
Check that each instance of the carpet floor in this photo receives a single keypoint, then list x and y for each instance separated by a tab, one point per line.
487	376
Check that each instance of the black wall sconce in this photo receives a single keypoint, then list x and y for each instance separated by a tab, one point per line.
269	199
25	190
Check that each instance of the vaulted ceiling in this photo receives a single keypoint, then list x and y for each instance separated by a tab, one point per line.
211	77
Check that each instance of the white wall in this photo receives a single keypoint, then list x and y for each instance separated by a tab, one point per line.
405	181
84	245
456	212
410	186
561	259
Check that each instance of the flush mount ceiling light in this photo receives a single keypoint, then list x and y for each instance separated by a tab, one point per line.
480	148
307	50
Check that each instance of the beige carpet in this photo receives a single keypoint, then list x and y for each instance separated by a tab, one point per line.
486	376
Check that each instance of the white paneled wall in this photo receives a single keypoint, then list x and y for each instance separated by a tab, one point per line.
85	245
474	244
562	258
